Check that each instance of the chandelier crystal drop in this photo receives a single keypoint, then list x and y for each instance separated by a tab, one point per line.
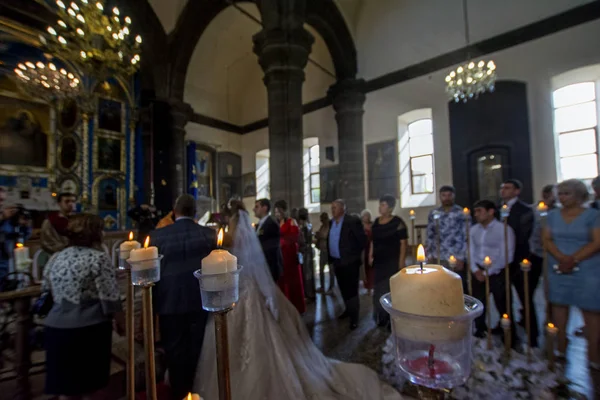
470	80
92	37
47	81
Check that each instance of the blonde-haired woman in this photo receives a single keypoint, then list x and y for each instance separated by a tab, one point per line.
572	237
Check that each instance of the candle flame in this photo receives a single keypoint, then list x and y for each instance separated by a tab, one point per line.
420	253
147	242
487	260
452	258
525	261
504	316
412	212
550	325
130	236
542	206
189	396
220	238
505	207
19	245
466	211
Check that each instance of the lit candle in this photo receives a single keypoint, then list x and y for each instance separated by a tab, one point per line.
452	262
21	255
551	331
542	209
505	323
466	212
504	212
487	262
412	214
145	257
219	261
525	265
421	255
128	245
427	290
193	396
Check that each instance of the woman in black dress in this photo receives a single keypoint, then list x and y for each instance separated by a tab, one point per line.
388	252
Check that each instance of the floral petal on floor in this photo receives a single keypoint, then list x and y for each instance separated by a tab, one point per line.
493	379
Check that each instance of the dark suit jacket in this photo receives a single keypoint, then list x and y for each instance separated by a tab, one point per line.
184	244
521	220
269	236
352	240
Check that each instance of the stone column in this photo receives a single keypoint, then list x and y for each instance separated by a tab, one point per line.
283	54
348	98
180	114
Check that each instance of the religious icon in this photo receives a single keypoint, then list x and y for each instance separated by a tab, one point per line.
110	115
108	192
109	154
249	184
204	172
23	141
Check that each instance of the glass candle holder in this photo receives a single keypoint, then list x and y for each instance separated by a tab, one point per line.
219	292
122	257
145	272
434	352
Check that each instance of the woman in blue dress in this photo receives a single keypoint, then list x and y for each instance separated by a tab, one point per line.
572	236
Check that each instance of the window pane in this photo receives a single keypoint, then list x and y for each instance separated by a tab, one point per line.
421	145
577	143
421	165
574	118
420	127
306	157
574	94
316	195
314	169
580	167
314	155
306	186
315	181
422	184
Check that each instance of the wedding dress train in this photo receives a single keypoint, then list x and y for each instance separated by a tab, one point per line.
272	356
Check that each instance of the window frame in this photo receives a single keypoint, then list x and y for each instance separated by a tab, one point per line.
309	176
412	174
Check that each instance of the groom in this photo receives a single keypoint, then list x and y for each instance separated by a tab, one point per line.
177	297
268	233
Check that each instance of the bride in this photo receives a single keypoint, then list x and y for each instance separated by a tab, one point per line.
271	353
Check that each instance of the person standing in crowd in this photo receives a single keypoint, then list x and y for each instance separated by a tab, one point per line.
177	299
388	253
487	240
572	237
146	218
78	328
367	221
269	236
321	238
346	243
452	231
290	282
307	251
536	257
520	219
15	226
54	234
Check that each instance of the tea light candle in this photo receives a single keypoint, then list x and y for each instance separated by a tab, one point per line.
525	265
128	245
147	253
219	261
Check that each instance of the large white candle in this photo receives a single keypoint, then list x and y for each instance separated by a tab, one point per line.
427	290
144	258
128	245
219	261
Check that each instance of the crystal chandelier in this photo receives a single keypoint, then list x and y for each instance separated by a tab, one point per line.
472	78
47	81
100	44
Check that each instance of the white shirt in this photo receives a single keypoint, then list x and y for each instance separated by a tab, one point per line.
489	241
262	221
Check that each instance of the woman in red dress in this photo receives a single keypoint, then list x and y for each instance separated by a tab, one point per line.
290	281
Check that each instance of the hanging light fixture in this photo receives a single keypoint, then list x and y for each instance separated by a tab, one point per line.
97	40
47	81
473	78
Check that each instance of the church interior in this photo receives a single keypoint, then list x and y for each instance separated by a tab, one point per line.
127	104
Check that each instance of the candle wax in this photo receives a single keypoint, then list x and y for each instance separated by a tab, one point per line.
144	258
21	255
126	247
219	262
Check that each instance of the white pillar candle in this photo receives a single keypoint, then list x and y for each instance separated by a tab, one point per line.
128	245
219	261
144	258
21	254
427	290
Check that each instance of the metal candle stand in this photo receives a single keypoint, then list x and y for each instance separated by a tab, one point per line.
504	213
146	273
443	360
220	293
129	327
526	267
436	217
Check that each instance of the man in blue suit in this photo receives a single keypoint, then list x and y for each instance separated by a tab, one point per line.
177	295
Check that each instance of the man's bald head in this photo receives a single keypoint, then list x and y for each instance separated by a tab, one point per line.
185	206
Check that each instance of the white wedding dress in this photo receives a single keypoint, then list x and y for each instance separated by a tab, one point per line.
272	356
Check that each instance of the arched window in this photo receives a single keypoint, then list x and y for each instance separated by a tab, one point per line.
312	177
263	177
575	126
416	161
